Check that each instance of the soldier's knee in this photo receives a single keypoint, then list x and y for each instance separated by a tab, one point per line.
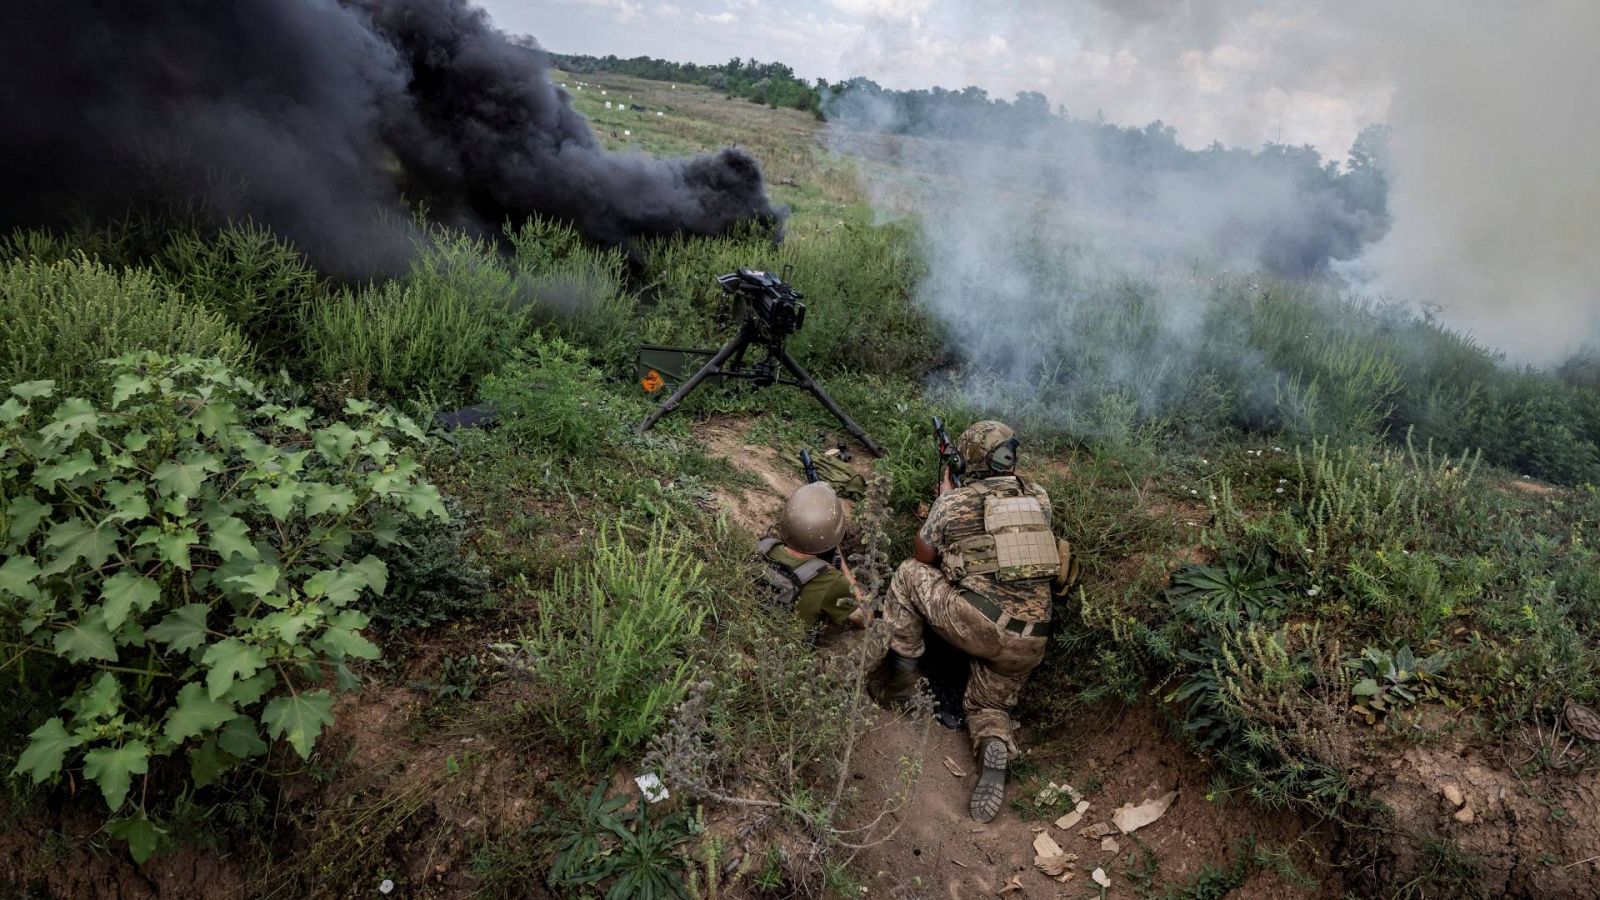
904	577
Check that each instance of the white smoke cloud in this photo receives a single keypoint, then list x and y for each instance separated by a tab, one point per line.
1494	192
1495	201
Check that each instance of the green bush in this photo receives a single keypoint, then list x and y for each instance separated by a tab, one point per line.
177	555
575	287
609	648
452	320
550	396
432	578
59	320
253	278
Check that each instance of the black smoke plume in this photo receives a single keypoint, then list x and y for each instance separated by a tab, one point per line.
328	120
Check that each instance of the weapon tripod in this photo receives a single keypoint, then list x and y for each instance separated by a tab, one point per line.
729	362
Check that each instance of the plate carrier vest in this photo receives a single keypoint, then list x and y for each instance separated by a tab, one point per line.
787	583
1016	544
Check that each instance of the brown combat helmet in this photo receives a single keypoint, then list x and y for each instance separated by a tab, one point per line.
988	446
813	519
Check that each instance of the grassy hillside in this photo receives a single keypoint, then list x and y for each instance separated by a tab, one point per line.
256	623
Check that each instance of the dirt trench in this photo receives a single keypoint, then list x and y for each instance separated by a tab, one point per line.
1532	836
935	850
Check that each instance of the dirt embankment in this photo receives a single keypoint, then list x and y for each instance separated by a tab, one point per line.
940	852
935	849
1516	837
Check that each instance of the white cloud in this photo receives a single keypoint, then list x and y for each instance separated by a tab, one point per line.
624	11
887	10
726	17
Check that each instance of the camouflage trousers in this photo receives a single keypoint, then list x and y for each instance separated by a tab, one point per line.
920	596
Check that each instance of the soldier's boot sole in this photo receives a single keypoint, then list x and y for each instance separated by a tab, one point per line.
989	793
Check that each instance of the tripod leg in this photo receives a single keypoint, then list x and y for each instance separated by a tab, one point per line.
712	367
810	384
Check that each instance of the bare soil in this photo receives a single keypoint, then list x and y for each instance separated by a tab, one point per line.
1534	836
755	509
939	851
934	848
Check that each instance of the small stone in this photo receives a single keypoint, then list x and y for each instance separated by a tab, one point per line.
1465	816
1110	845
1453	794
1101	878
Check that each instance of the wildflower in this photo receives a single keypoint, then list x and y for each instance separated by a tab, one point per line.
1310	551
1283	481
1213	498
1193	491
1278	490
1313	591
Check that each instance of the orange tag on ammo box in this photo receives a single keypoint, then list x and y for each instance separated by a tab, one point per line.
652	381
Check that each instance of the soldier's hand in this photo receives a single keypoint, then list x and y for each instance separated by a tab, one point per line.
945	484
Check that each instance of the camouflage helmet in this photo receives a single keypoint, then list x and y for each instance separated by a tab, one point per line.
988	446
813	519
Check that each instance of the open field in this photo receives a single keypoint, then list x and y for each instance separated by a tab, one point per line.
1362	653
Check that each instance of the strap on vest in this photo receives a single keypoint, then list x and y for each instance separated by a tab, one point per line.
803	573
808	570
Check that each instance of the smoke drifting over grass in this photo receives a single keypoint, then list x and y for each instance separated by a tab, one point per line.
326	119
1495	195
1078	266
1491	189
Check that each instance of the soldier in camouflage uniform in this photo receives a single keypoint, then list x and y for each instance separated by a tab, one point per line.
984	578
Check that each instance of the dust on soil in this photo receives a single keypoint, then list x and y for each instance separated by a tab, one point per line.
939	851
1531	836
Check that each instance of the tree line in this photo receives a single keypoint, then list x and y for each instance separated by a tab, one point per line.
773	84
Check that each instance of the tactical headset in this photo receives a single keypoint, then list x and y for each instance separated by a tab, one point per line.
1003	458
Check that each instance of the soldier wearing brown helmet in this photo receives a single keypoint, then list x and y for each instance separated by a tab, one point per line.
984	576
821	590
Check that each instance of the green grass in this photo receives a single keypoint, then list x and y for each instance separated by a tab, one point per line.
1322	476
58	320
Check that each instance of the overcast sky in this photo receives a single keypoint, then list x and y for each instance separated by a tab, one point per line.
1240	71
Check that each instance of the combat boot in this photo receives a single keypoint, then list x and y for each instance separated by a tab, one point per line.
989	792
898	684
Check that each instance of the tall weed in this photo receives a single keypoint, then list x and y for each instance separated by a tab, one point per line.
549	395
249	275
59	320
573	286
452	320
609	650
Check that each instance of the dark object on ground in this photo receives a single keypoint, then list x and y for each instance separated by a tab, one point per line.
467	417
946	669
844	453
769	311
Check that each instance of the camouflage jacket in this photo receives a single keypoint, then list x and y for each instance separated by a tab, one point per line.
957	514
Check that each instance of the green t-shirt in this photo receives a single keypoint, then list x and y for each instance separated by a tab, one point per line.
825	597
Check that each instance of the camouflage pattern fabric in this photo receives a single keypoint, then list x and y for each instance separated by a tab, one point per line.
976	443
920	596
958	514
